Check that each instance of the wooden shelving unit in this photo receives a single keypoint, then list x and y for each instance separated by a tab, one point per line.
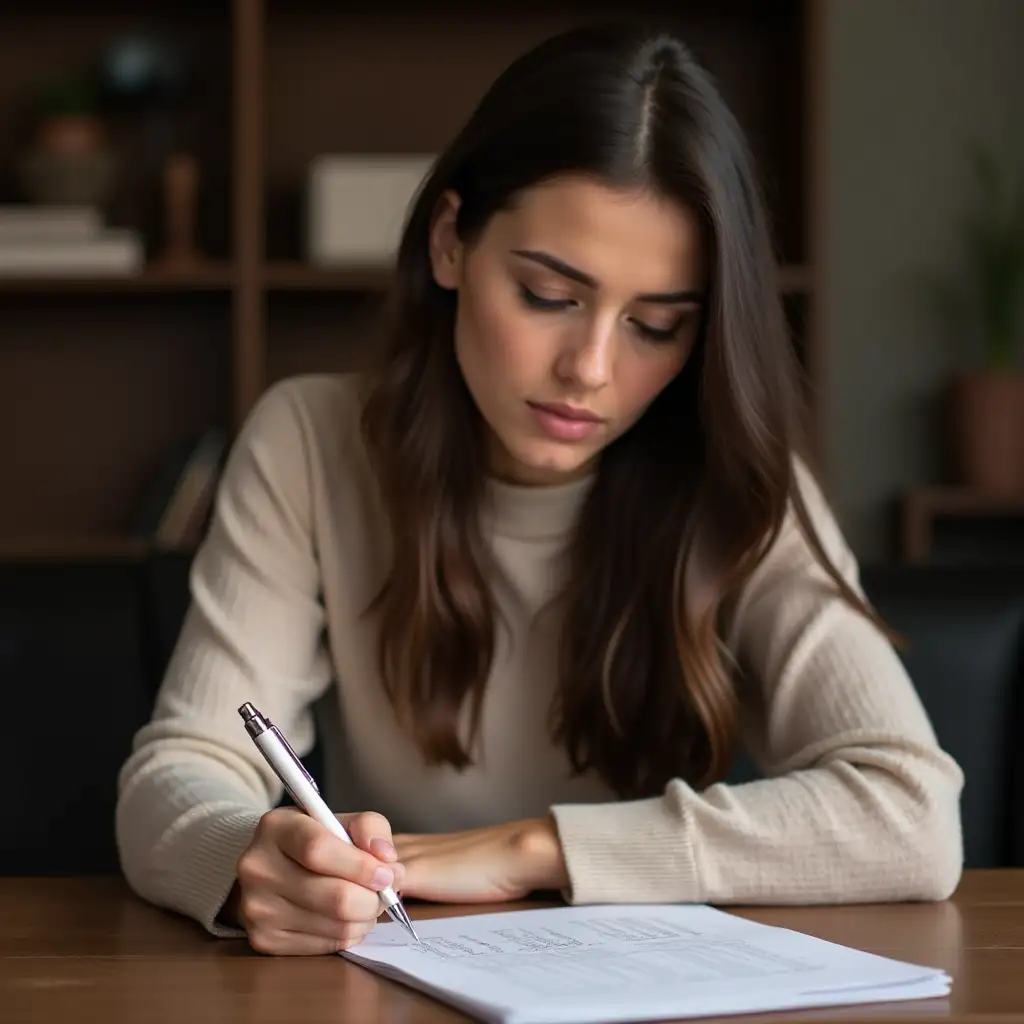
99	377
218	276
924	509
76	547
300	277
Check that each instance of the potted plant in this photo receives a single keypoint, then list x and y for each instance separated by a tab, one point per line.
987	403
69	160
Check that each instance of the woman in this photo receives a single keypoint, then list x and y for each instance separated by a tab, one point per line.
555	561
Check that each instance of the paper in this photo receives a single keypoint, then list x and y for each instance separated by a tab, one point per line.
631	963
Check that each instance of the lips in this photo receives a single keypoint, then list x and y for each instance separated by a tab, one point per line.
564	423
567	412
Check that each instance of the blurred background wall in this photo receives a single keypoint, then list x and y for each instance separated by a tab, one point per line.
909	84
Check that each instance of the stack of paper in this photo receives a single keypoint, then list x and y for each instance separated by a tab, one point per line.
631	963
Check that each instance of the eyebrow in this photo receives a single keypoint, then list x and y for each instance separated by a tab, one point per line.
573	274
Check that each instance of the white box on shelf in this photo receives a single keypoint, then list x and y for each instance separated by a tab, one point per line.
356	206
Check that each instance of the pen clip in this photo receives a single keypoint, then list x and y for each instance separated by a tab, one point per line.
295	757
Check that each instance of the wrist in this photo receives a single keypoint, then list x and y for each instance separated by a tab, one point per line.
541	852
229	912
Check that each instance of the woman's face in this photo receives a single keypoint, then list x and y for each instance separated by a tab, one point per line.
575	309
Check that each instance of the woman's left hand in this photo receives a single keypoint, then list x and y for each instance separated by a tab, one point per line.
483	865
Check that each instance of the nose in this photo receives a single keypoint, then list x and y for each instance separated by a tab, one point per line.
587	356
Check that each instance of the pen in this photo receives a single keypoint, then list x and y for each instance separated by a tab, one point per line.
304	791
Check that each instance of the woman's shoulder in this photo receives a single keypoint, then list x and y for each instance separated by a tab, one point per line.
316	412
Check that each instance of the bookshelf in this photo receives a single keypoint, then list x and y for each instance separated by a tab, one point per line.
100	377
943	524
218	276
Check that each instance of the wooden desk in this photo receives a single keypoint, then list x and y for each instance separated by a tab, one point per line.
87	950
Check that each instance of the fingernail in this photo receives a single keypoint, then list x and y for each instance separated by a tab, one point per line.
382	878
382	848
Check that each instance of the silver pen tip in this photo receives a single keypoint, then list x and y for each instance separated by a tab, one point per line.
399	915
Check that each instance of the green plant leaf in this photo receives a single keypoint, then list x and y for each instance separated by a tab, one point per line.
994	237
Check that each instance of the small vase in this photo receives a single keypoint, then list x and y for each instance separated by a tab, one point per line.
70	163
181	187
987	431
71	135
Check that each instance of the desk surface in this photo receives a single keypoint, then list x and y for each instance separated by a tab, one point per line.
87	950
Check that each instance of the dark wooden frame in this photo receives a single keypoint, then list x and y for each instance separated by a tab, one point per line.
921	508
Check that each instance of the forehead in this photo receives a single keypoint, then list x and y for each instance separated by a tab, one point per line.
629	240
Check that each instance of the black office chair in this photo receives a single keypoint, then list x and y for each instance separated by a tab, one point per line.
964	628
75	689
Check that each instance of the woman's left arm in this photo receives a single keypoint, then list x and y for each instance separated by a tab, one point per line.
859	802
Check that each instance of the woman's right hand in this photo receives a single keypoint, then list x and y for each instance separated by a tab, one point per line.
302	891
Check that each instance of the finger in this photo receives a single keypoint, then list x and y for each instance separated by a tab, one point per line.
270	871
372	832
311	846
274	913
333	898
383	850
275	873
273	942
336	897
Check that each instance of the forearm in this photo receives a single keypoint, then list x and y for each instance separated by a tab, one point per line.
182	822
873	825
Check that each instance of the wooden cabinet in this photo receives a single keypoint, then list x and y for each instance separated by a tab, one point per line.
98	378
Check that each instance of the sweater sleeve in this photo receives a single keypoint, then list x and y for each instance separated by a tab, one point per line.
857	804
195	786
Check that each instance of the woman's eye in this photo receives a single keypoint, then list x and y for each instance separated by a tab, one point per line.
646	331
657	333
535	301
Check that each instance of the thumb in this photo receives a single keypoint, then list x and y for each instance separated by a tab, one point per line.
371	832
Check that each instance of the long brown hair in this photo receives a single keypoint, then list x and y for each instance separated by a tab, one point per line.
684	505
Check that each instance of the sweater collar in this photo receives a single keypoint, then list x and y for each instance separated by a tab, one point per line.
535	512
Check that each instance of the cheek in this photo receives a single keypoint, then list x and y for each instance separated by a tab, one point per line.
645	377
493	336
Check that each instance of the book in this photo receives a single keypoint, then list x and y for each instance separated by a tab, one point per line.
177	503
184	517
114	251
578	965
31	222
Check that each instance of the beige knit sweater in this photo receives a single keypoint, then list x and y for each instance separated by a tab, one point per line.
858	802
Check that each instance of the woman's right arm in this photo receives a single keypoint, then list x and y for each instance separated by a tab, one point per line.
195	788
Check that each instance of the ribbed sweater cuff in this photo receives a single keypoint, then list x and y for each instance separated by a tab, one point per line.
208	867
627	852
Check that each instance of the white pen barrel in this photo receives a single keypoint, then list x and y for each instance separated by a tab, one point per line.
298	785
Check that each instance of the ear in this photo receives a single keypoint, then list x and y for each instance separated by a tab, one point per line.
446	251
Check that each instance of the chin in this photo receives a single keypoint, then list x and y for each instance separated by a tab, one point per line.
549	463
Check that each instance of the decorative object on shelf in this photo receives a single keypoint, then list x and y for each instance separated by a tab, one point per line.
69	161
356	205
147	76
181	190
986	405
